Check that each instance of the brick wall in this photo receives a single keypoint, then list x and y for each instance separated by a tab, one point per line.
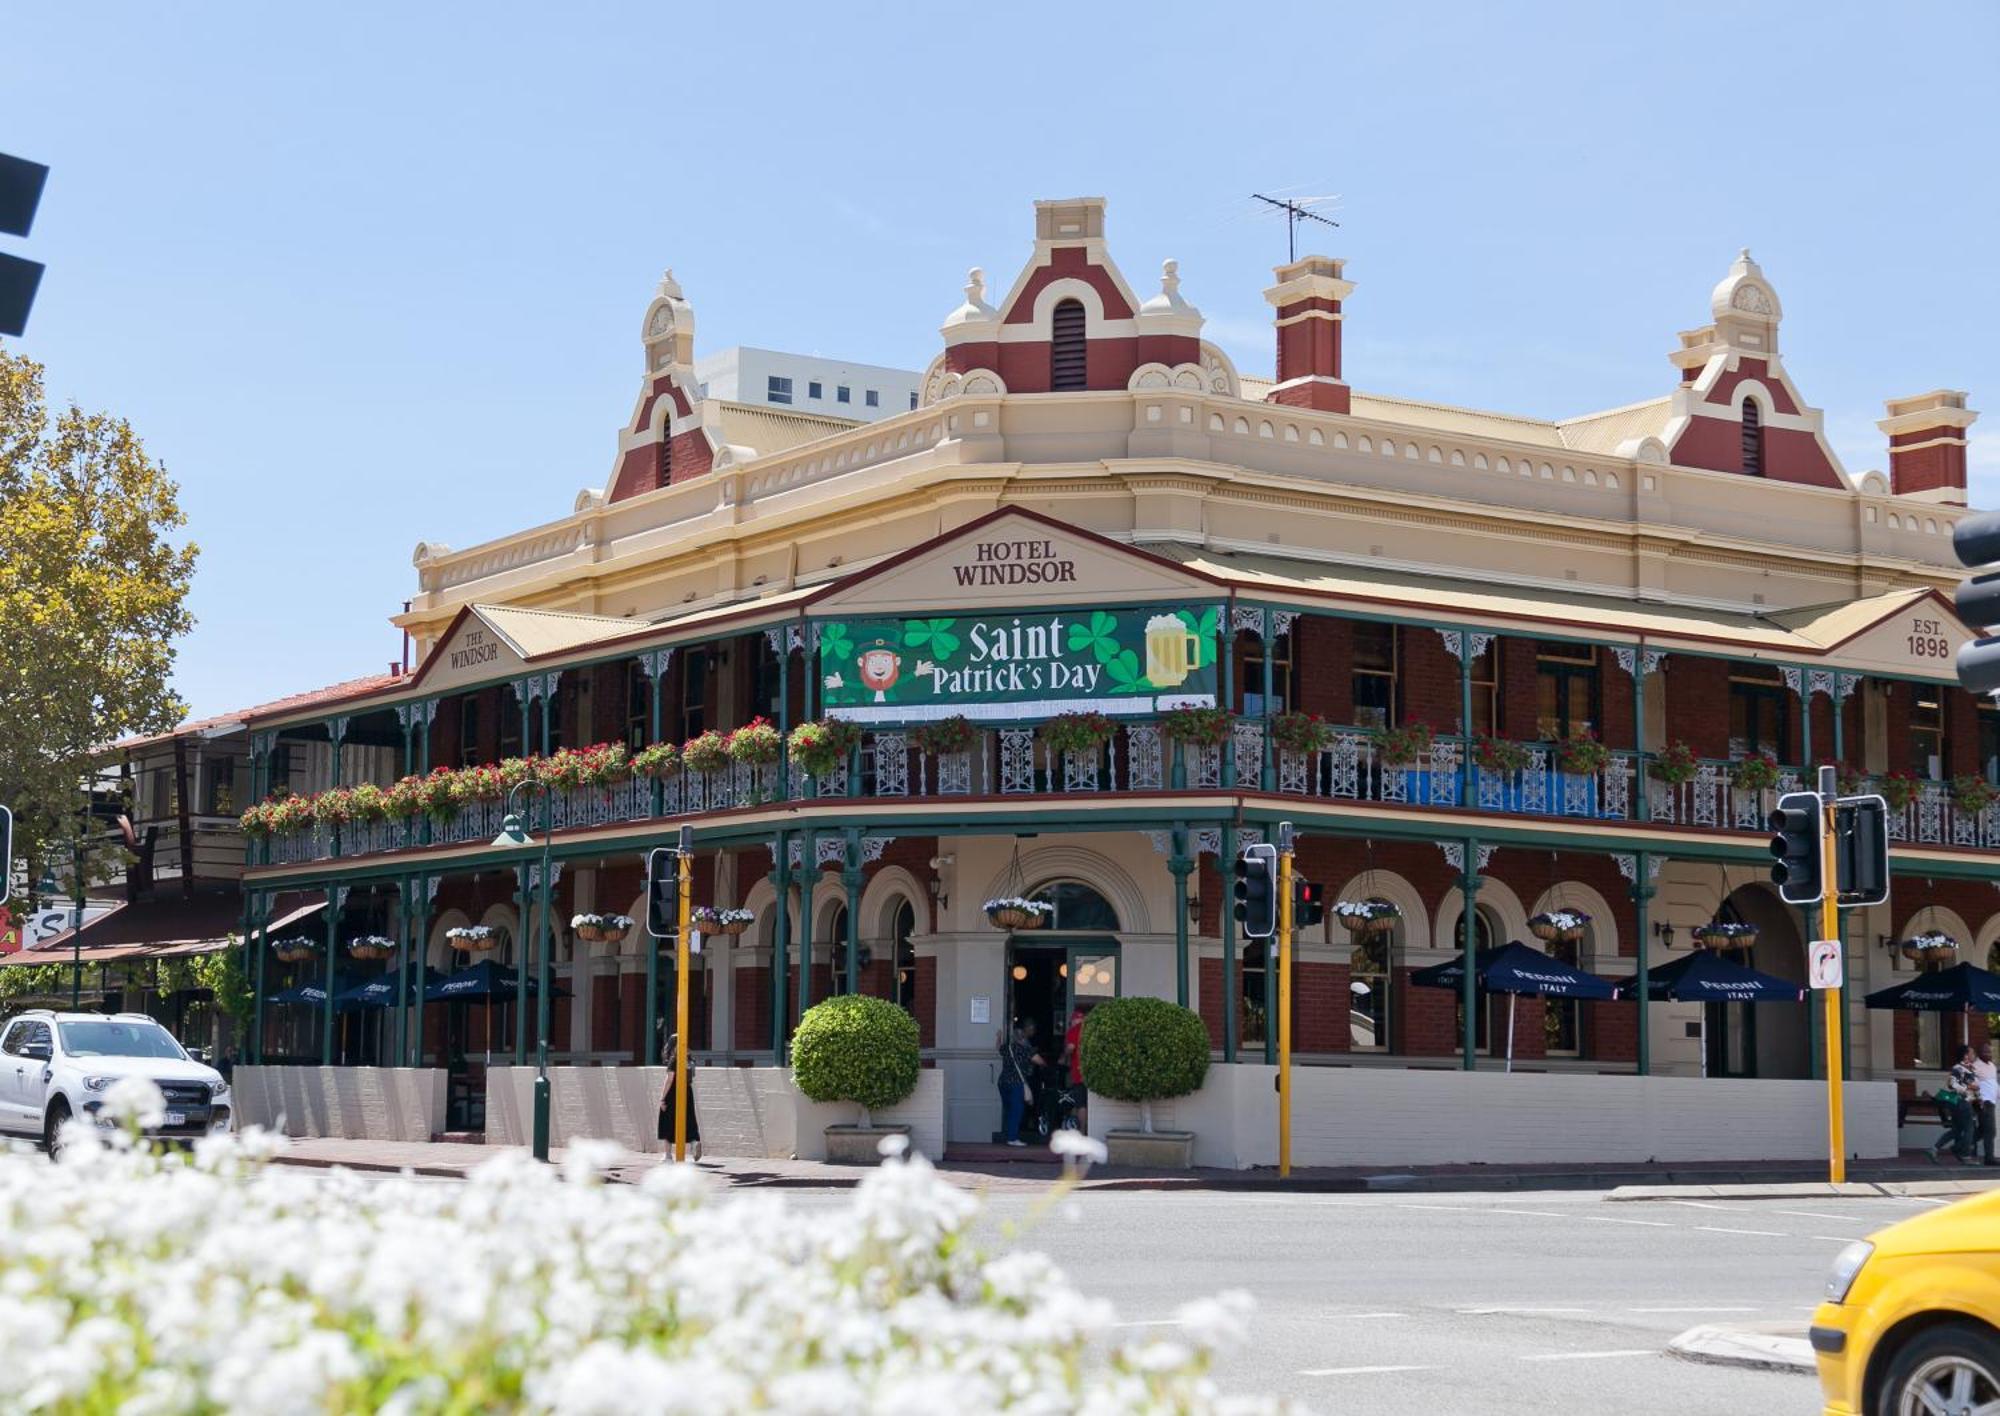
1697	703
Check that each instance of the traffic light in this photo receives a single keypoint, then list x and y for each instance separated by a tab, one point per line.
1799	826
1861	850
1256	896
1976	541
1308	903
6	854
20	193
663	892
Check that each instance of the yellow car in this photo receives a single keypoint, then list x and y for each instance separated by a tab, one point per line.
1911	1321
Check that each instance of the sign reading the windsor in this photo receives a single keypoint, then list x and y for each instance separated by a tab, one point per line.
1019	665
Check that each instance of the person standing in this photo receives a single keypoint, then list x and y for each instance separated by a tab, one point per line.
1018	1060
668	1099
1987	1078
1072	1058
1957	1102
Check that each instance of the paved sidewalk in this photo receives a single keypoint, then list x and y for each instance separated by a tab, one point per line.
1769	1347
1909	1177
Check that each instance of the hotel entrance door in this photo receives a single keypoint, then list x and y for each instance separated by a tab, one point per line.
1046	980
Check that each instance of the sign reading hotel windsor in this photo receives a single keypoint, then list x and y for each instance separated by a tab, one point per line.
1019	665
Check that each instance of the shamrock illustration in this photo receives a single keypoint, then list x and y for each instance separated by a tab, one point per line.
936	634
836	645
1202	623
1098	636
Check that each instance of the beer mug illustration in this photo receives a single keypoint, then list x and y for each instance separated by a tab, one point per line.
880	667
1172	651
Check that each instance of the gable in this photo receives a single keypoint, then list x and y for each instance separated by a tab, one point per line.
473	651
1014	560
1920	640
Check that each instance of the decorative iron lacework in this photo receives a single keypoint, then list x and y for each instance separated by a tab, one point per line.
1454	855
1454	644
1628	866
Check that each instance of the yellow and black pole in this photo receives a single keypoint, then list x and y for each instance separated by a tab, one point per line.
681	994
1284	999
1829	928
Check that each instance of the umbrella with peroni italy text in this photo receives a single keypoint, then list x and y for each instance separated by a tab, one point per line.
1964	989
1706	977
1514	969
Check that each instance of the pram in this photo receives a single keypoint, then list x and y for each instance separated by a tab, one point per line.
1056	1101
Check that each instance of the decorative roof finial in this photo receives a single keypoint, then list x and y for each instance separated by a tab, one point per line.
670	287
1170	277
975	286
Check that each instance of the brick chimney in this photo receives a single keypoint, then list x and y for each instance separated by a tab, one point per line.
1927	445
1307	300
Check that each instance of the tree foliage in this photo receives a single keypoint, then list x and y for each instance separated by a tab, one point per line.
1143	1049
93	595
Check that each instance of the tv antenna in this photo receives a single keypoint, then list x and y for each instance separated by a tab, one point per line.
1295	212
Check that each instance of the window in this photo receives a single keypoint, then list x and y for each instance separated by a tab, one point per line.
872	398
913	400
1370	979
1566	690
1562	1018
836	947
638	706
1989	741
468	731
764	690
162	799
900	930
1068	366
1753	438
510	722
694	692
222	787
1078	907
843	394
1374	675
1760	712
777	389
1250	689
815	389
1927	730
1486	689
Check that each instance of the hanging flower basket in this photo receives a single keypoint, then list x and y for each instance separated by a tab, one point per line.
1078	732
1559	926
1757	773
1407	745
614	927
754	744
657	760
1198	727
1015	912
1300	732
292	950
1899	789
710	920
823	748
945	736
1725	934
1366	917
1674	764
1972	793
371	946
587	926
1933	946
706	753
473	938
1500	756
1581	755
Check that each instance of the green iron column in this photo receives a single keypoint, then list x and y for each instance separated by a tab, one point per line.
1270	770
852	876
1228	676
649	1053
1468	921
336	896
781	946
1842	686
1642	805
808	876
549	681
1226	929
262	943
426	712
653	663
1804	678
1642	899
524	904
524	697
784	646
424	890
1181	866
1465	640
403	888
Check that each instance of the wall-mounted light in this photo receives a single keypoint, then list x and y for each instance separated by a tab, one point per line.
1020	972
1664	932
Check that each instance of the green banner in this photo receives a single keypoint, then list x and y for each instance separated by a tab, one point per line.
1019	666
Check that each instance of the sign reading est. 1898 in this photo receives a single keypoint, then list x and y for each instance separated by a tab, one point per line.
1018	666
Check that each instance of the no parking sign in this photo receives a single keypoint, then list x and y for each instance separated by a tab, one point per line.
1823	968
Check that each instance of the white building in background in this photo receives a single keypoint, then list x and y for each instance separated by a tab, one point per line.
834	387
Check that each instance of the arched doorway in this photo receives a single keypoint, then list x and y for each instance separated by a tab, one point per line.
1772	1040
1070	961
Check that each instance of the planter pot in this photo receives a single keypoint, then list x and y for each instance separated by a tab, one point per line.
735	926
612	936
370	953
1356	924
474	946
1013	919
859	1145
1148	1150
1549	934
590	932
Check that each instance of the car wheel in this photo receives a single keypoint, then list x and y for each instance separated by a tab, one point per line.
1954	1367
58	1118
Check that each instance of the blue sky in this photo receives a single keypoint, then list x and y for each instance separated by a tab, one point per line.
368	274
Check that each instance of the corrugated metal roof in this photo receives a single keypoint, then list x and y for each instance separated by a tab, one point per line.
769	430
1604	432
536	632
348	689
1444	418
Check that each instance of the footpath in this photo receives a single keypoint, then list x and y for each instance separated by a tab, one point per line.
1000	1169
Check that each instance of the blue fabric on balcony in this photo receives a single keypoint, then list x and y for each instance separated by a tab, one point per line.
1706	977
1958	989
1516	968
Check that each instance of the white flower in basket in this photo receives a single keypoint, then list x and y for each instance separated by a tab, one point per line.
1553	925
1368	916
1930	946
473	938
1014	912
371	946
587	926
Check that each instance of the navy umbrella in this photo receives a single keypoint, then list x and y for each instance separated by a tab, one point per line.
304	993
1514	969
483	982
1706	977
379	992
1962	988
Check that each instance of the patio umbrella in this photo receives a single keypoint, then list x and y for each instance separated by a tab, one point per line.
484	981
1963	988
303	993
1706	977
378	992
1514	969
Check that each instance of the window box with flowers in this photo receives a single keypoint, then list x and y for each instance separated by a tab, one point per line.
710	920
1581	755
1674	764
656	761
1725	934
1198	727
1408	745
473	938
1365	917
707	753
1972	793
1018	912
755	744
371	946
1755	773
1847	781
1931	948
825	747
1301	733
1559	926
599	766
1899	789
405	800
1078	732
946	737
442	794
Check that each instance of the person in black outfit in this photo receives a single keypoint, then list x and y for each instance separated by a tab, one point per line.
667	1099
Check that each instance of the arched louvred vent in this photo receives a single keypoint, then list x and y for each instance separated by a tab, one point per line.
1753	438
1066	347
665	459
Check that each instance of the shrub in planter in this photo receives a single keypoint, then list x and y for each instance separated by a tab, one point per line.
1581	755
857	1049
1078	732
755	743
1198	727
824	747
1143	1050
945	736
1756	773
1300	732
1500	756
1899	789
660	759
1407	745
1972	793
1674	764
705	753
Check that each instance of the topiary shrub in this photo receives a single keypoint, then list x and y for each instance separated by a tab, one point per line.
856	1049
1143	1050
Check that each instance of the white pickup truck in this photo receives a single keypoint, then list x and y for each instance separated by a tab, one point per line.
58	1066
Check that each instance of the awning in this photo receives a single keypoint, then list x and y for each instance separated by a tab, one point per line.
165	927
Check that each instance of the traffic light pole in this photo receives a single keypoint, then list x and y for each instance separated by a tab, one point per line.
681	995
1829	923
1285	843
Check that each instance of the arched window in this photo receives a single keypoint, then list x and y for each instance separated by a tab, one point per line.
1484	933
1753	438
1078	907
1066	347
900	930
1371	977
836	943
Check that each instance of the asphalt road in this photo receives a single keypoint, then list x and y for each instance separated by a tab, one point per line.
1466	1303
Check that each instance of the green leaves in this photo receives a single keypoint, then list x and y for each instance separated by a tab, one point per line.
932	636
836	647
1096	636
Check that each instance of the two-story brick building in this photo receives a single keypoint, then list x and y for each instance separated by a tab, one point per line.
1491	666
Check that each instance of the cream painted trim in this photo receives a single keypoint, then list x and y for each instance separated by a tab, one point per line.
1335	315
1902	448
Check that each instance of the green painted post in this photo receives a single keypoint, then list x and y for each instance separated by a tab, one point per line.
420	928
1839	733
1226	928
1228	676
548	692
522	693
655	670
523	906
1642	805
1468	884
402	967
1466	788
1642	899
852	877
1805	719
781	948
333	902
1181	866
784	715
809	874
256	975
1270	771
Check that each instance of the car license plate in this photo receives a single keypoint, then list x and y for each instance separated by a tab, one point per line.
177	1118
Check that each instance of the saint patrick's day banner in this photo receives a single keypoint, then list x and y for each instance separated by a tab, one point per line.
1018	666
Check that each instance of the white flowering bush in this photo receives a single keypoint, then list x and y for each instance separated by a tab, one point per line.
142	1282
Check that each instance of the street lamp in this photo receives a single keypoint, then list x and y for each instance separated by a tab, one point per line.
512	835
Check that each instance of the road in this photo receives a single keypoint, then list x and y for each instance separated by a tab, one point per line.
1466	1303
